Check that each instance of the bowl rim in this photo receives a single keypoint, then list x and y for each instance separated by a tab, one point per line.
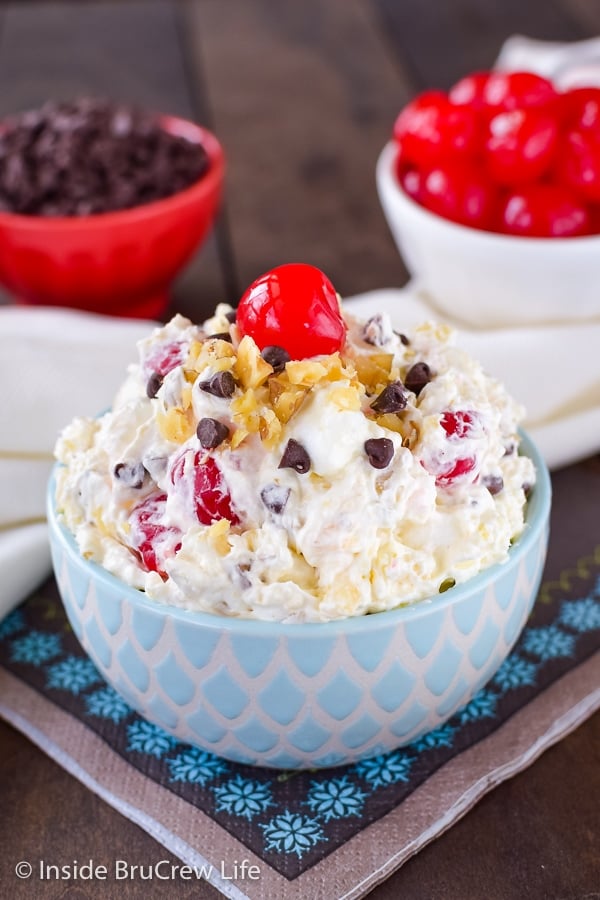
386	181
206	184
537	515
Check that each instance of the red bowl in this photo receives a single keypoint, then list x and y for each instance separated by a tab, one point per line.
117	263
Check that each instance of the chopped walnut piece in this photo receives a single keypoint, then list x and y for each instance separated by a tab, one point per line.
250	368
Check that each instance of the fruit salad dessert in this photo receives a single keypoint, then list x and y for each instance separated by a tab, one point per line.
285	461
504	152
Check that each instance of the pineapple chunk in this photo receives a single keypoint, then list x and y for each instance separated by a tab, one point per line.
217	535
245	411
176	425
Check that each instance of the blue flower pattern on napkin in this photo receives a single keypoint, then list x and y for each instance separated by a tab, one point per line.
36	647
74	674
196	766
482	706
291	828
515	672
388	768
107	704
336	798
443	736
581	615
291	832
14	622
548	642
243	797
145	737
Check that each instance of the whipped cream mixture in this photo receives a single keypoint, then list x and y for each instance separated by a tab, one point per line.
305	490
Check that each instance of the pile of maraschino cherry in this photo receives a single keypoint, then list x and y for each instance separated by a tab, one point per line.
504	152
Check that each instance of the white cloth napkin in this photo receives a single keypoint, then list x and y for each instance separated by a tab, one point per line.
567	65
54	364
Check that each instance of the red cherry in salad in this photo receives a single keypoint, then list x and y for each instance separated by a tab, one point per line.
508	91
293	306
213	500
431	128
459	424
210	495
520	146
459	193
165	357
469	91
544	210
456	470
578	165
153	540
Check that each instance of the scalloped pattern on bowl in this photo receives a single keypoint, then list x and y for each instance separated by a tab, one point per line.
299	696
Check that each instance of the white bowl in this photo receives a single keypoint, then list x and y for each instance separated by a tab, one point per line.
485	279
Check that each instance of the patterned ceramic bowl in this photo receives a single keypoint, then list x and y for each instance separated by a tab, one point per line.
298	696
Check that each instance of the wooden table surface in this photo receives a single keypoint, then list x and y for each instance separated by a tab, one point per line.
303	96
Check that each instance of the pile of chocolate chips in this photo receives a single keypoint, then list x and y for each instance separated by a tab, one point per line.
91	156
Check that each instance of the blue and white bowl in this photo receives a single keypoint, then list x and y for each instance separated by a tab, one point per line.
300	696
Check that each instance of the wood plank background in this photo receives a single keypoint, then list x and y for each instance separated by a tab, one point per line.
302	95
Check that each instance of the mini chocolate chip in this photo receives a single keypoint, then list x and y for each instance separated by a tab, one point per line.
220	336
510	449
231	316
392	399
403	339
374	331
211	433
527	489
276	357
494	483
221	384
92	155
154	384
130	474
380	452
295	457
275	497
417	377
